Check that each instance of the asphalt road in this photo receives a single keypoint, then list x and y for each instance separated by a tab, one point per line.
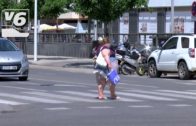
58	97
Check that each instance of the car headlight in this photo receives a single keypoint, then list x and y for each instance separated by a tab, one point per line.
24	59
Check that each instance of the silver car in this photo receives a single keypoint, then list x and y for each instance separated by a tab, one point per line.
13	62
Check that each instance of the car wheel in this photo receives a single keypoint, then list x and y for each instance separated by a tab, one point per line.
183	71
152	69
23	78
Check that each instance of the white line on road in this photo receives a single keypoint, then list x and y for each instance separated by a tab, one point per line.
57	109
166	94
11	102
63	82
29	98
64	97
29	83
180	105
140	106
68	85
21	88
94	95
100	107
178	92
144	96
138	85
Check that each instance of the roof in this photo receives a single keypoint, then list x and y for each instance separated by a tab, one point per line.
167	3
72	16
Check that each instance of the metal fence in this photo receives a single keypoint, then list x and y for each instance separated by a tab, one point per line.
80	45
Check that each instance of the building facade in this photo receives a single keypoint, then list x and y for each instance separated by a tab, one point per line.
158	19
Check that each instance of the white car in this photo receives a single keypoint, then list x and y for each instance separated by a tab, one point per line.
177	55
13	62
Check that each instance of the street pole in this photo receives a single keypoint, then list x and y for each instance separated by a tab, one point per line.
172	16
35	31
95	30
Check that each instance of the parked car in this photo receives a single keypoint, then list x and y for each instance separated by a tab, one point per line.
13	62
177	55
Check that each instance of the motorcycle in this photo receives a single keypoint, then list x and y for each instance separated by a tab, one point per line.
135	61
129	63
142	67
121	51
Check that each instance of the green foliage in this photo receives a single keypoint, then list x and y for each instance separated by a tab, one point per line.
5	4
25	4
46	8
52	8
105	10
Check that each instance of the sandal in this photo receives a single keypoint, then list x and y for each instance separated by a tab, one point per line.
113	98
100	98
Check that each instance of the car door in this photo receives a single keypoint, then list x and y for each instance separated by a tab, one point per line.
167	56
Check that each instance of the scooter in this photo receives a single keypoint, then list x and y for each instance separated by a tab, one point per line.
129	64
142	67
120	54
135	61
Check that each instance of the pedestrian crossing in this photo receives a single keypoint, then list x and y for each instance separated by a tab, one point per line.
89	96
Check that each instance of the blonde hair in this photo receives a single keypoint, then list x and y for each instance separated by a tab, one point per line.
105	40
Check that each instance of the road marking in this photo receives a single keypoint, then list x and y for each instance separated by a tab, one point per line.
64	97
180	105
57	109
68	85
186	83
28	83
139	85
166	94
158	98
11	102
100	107
140	106
20	88
29	98
94	95
63	82
179	92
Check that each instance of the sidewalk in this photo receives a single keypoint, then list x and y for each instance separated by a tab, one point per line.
61	62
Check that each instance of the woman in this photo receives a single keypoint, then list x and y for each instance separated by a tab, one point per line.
101	74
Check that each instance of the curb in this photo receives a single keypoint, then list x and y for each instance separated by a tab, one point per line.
68	69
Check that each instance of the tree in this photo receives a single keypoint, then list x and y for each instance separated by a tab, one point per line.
6	4
52	8
26	4
104	10
46	8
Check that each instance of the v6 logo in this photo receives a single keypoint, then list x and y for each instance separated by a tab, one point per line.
15	23
15	17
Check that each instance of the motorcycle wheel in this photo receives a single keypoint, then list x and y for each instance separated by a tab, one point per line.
125	70
140	70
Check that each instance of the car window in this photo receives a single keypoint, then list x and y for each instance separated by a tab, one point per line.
171	44
185	42
6	45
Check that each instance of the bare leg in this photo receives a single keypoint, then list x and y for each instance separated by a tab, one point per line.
101	85
112	91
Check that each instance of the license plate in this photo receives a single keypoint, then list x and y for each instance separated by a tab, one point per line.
9	68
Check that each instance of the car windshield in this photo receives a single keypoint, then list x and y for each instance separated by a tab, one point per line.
6	45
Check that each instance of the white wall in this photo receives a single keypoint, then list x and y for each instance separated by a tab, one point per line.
167	3
183	22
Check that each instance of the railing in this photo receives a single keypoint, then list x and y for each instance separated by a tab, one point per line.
80	45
